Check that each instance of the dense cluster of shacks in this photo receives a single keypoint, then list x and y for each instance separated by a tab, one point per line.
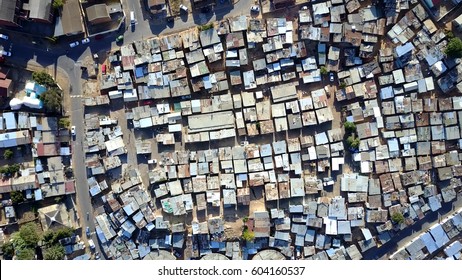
441	241
36	137
407	142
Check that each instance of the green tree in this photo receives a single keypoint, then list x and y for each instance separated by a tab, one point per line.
8	249
352	142
248	235
25	254
52	237
64	122
52	100
323	70
8	154
44	79
55	252
397	218
16	197
58	4
9	170
29	234
342	85
454	48
349	126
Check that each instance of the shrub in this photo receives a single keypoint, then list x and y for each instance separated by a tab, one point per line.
352	142
16	197
248	235
397	218
8	154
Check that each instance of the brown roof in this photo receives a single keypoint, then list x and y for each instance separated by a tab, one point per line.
71	18
97	11
155	2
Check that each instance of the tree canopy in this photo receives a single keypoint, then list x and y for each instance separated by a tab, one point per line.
52	100
8	154
55	252
323	70
44	79
64	122
52	237
8	250
454	48
352	142
16	197
30	235
349	126
25	254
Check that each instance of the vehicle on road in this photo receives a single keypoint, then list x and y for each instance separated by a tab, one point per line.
3	36
5	53
255	9
85	41
87	231
331	76
184	8
91	244
119	38
103	69
132	17
73	130
88	216
74	44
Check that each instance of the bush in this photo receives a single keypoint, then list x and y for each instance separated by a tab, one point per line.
64	122
58	4
206	26
342	85
16	197
26	254
323	70
350	127
9	170
352	142
8	250
52	100
8	154
44	79
248	235
397	218
454	48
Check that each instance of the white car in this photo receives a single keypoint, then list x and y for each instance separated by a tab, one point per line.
85	41
73	130
91	243
74	44
255	9
5	53
183	7
3	36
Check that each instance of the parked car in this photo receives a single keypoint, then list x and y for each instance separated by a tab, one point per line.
119	38
92	244
85	41
255	9
74	44
331	76
5	53
87	231
3	36
73	130
183	7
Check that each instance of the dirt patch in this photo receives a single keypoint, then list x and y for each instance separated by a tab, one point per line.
26	212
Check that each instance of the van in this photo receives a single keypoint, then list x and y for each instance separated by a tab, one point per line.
132	17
